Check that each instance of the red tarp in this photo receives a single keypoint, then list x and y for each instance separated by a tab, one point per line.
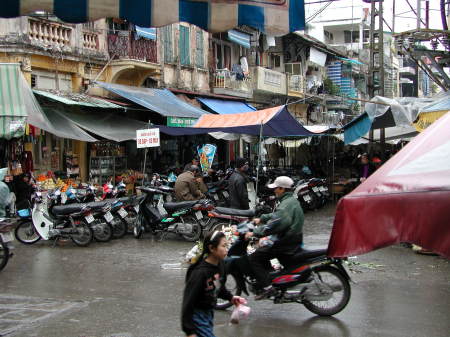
406	200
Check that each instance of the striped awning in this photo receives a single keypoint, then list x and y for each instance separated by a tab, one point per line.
12	106
273	17
240	38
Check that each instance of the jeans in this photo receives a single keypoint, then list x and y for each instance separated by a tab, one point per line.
204	322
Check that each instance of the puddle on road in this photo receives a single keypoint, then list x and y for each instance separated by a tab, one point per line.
20	312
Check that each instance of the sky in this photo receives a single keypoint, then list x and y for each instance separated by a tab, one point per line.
404	21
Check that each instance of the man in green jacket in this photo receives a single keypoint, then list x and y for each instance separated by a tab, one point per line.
286	233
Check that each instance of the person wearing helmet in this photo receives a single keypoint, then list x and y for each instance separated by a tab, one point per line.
186	187
286	233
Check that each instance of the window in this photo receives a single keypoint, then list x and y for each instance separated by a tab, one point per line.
351	36
33	80
199	58
275	61
329	36
183	45
293	68
167	42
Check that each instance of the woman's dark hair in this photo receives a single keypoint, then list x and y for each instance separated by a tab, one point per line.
213	238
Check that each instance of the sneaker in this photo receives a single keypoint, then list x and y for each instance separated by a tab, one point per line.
266	293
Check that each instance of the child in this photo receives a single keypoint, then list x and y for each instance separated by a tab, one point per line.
204	283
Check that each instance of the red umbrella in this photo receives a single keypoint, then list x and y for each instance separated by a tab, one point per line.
405	200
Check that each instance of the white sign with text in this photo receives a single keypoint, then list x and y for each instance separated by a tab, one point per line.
147	138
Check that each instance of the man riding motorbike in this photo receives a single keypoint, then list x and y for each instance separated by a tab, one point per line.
286	234
187	186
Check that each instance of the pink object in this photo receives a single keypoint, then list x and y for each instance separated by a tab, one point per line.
405	200
240	312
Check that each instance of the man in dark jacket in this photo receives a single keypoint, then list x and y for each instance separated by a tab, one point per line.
237	185
286	233
187	187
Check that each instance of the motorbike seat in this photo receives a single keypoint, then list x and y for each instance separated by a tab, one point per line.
67	209
303	255
247	213
97	205
172	206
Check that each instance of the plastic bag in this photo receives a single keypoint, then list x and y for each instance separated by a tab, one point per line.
240	312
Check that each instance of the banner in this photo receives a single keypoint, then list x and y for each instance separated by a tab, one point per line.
206	154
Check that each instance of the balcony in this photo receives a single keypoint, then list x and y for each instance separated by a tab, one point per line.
225	83
50	33
126	47
269	81
296	85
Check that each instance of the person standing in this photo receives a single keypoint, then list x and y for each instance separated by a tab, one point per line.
205	282
4	192
366	168
237	185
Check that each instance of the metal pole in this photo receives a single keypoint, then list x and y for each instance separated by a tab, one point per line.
419	9
393	16
259	160
381	69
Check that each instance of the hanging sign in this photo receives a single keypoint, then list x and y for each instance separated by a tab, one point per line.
182	122
206	154
147	138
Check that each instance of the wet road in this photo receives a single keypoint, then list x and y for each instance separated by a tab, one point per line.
119	289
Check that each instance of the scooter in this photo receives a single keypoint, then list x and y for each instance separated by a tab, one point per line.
6	239
310	278
182	218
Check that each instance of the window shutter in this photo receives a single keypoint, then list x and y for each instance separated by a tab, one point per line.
199	49
167	35
184	45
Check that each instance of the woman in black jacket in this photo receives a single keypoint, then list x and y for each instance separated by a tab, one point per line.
204	284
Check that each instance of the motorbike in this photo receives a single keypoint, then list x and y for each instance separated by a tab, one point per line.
182	218
6	239
308	277
54	222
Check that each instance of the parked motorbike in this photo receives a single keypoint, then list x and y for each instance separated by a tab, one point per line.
6	239
54	222
180	218
310	278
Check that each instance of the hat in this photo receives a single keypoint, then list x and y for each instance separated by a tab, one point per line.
241	162
283	181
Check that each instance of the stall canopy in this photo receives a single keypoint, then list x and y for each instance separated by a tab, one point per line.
107	125
161	101
384	112
82	100
273	17
405	200
430	113
146	33
224	107
13	111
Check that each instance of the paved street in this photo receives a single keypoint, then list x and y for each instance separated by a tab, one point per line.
119	289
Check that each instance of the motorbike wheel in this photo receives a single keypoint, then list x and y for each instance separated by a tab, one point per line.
26	233
233	288
315	202
84	236
196	229
4	255
339	284
138	228
103	233
119	228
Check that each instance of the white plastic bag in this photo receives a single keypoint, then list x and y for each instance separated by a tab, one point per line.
240	312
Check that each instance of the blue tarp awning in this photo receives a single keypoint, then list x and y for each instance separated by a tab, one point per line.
272	17
161	101
240	38
357	128
224	107
146	33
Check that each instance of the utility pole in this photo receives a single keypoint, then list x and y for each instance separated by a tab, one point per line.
376	64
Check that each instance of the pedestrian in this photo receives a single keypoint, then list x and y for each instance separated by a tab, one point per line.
187	185
205	282
23	188
237	185
4	192
366	168
195	161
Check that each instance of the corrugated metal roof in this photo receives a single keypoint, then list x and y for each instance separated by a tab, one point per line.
76	99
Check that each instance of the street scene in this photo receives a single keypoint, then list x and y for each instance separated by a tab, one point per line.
224	168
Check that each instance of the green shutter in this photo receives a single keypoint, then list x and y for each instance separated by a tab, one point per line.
184	45
167	36
199	49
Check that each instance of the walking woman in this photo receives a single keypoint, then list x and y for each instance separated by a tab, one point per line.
204	284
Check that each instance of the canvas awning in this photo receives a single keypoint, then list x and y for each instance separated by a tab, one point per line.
405	200
161	101
107	125
77	99
224	107
146	33
272	17
430	113
240	38
12	105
